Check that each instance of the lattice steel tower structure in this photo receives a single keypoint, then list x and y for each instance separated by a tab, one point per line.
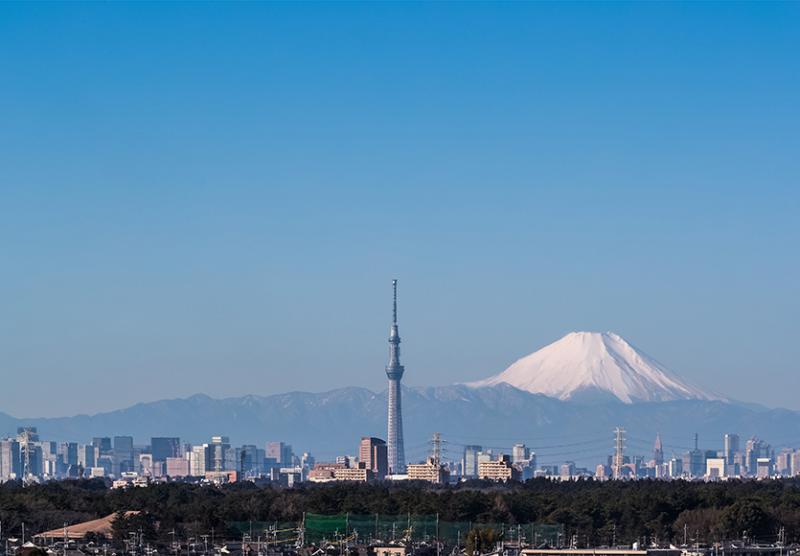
394	370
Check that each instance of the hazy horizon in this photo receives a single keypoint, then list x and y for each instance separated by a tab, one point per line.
215	197
377	389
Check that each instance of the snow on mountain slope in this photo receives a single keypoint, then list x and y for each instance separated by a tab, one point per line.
592	362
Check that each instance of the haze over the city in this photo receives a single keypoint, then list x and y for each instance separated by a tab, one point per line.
215	198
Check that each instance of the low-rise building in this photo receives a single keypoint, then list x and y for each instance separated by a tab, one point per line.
326	472
360	474
430	471
499	469
389	550
221	477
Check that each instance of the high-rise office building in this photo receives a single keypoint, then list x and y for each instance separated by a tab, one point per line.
218	454
9	460
783	462
69	453
123	454
755	449
394	371
730	448
50	458
106	463
373	453
145	467
694	461
198	458
87	455
658	451
251	460
469	465
675	467
281	453
102	443
163	447
519	453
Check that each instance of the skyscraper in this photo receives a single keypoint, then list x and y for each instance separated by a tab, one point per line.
372	453
281	453
69	453
469	467
520	453
218	454
103	443
755	448
394	370
163	447
618	460
731	447
123	454
9	460
694	460
658	450
251	460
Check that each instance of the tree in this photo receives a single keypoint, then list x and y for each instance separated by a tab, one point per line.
141	524
746	516
705	522
480	540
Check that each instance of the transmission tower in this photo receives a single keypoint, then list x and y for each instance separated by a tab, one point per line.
619	452
26	437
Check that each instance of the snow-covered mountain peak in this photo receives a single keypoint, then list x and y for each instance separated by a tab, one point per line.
584	363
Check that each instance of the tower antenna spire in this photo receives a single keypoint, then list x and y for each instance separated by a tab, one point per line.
394	306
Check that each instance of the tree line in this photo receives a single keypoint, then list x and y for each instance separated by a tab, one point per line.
596	513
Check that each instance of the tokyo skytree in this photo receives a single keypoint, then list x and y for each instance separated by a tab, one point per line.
394	370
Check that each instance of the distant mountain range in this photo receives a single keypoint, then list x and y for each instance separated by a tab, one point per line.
591	383
495	416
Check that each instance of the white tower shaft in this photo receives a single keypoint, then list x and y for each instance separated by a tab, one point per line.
394	371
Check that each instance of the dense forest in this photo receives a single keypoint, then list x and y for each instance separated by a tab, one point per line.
594	511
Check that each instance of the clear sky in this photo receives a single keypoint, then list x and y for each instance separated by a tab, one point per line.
214	198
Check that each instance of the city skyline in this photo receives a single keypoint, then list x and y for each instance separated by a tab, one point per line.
32	457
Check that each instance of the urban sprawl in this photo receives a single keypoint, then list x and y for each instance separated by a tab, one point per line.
31	459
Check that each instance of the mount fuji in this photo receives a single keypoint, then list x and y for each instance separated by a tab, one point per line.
596	365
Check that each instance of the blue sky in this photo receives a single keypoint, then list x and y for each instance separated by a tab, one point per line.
214	198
